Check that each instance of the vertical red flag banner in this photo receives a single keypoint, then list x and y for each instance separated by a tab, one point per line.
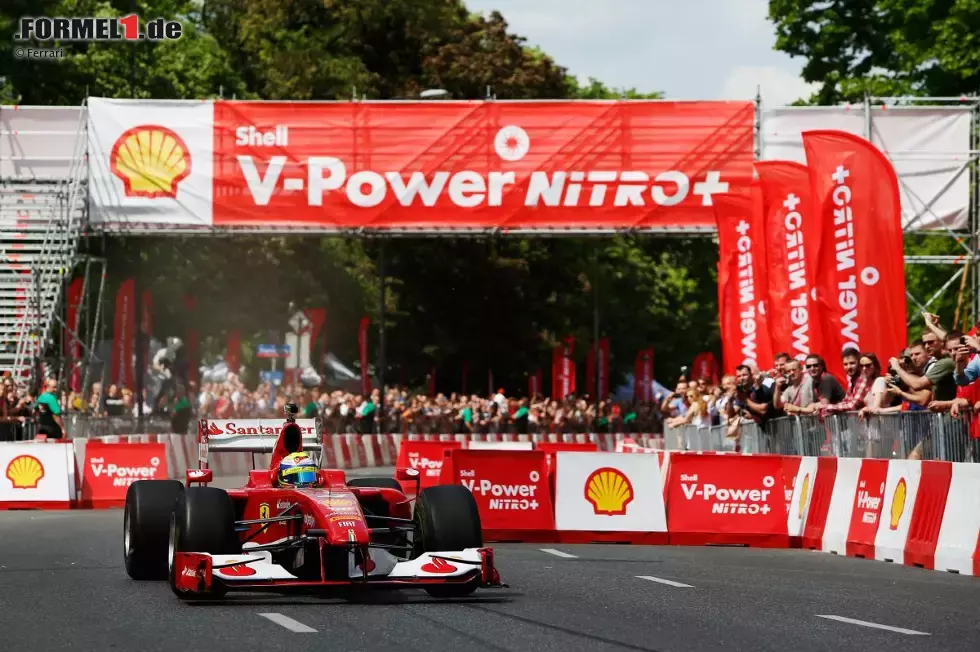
557	372
193	343
861	270
233	353
603	368
534	384
792	237
146	325
123	333
742	281
706	366
432	381
568	367
590	371
362	345
643	375
318	344
73	348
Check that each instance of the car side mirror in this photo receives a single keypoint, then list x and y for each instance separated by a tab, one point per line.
202	476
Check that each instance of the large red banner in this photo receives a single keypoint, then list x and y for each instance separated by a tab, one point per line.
478	164
742	281
111	468
860	272
722	499
792	239
123	333
425	456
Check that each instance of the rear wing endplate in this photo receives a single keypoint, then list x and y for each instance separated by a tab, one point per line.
251	436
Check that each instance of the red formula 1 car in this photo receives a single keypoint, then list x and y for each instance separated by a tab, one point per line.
336	534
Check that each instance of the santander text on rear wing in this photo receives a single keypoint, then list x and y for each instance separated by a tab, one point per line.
251	436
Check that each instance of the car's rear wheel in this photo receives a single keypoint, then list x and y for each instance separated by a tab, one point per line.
146	522
203	520
446	518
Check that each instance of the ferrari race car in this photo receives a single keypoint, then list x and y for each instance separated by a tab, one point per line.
327	533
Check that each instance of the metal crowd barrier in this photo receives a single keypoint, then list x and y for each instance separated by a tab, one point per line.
83	426
917	434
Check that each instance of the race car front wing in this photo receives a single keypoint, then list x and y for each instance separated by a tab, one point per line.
203	573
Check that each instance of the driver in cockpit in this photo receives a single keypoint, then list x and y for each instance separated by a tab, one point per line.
298	470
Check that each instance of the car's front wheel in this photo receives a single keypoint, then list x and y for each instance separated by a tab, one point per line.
446	519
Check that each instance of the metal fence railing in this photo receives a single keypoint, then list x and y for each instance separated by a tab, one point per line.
919	435
82	426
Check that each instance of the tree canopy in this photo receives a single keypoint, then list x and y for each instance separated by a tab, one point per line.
889	48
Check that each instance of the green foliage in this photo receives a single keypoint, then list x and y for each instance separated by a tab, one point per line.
882	47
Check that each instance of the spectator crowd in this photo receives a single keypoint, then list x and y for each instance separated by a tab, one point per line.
938	372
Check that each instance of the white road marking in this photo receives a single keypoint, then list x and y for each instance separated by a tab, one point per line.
660	580
288	623
865	623
558	553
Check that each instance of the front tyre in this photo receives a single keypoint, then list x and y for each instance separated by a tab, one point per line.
146	522
446	518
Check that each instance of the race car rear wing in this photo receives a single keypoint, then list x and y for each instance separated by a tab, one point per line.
251	436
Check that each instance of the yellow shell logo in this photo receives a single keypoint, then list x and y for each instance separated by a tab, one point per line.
609	491
804	492
25	471
898	504
150	160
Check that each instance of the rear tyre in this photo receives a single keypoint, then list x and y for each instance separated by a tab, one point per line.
381	483
146	524
446	518
203	520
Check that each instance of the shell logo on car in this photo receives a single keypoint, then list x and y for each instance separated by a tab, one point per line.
609	491
151	161
804	491
25	471
898	504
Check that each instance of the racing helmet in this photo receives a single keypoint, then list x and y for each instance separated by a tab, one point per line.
297	470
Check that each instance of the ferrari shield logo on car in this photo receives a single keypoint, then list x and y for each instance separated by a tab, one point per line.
264	510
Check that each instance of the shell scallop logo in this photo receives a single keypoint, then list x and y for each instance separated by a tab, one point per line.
151	161
25	471
609	491
898	504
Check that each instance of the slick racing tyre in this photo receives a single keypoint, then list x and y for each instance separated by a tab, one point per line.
381	483
203	521
146	524
445	519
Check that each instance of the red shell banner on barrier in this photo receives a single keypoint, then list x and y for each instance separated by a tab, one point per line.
927	514
417	165
111	468
742	281
792	237
427	457
823	491
710	499
866	514
861	270
511	488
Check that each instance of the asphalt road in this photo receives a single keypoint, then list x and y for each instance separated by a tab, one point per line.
63	587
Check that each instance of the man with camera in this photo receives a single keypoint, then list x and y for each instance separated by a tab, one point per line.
920	370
